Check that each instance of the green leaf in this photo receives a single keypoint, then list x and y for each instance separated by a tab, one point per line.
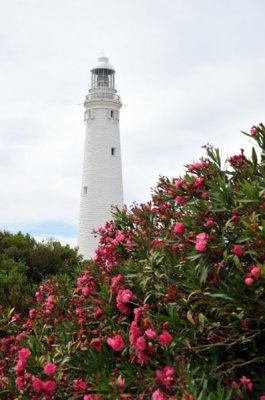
221	296
254	158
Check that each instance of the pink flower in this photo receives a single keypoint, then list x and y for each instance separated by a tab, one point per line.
180	200
159	244
85	291
32	313
262	398
124	295
36	383
20	336
48	387
246	382
20	382
255	270
79	311
96	343
116	343
120	237
158	395
49	369
201	246
121	383
38	297
150	334
238	250
79	386
138	312
50	299
198	182
140	344
116	280
201	242
24	354
249	281
179	228
209	223
98	312
197	166
165	338
135	332
179	183
253	131
165	377
101	230
80	281
20	367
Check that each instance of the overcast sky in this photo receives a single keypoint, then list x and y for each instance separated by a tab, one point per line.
189	72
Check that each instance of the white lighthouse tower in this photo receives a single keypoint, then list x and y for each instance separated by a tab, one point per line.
102	173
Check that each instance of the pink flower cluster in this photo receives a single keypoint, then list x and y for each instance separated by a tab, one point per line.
179	228
180	200
165	377
247	383
238	250
253	275
253	131
46	388
198	166
165	338
201	242
49	369
124	296
116	343
158	395
86	284
141	340
23	378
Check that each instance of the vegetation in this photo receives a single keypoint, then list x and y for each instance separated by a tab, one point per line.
24	263
172	305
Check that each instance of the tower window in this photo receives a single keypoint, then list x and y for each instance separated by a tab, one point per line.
112	114
113	151
85	190
89	114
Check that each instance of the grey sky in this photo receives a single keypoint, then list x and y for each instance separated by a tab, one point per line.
189	72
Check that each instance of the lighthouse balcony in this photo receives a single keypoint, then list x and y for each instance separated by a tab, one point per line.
102	95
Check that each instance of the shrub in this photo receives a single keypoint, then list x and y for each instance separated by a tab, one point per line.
172	305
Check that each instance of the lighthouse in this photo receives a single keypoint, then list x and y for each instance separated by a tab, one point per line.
102	172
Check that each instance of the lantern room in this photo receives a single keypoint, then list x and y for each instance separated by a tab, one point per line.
102	74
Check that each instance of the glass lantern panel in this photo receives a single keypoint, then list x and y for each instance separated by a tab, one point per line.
102	78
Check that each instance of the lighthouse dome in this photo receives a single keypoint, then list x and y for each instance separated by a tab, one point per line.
102	74
102	63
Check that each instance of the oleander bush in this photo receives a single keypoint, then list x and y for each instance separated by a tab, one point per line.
171	307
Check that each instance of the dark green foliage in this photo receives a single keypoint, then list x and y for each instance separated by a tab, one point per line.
24	263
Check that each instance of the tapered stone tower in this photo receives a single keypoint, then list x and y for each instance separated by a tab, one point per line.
102	172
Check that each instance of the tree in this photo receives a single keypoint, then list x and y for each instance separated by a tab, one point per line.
24	262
